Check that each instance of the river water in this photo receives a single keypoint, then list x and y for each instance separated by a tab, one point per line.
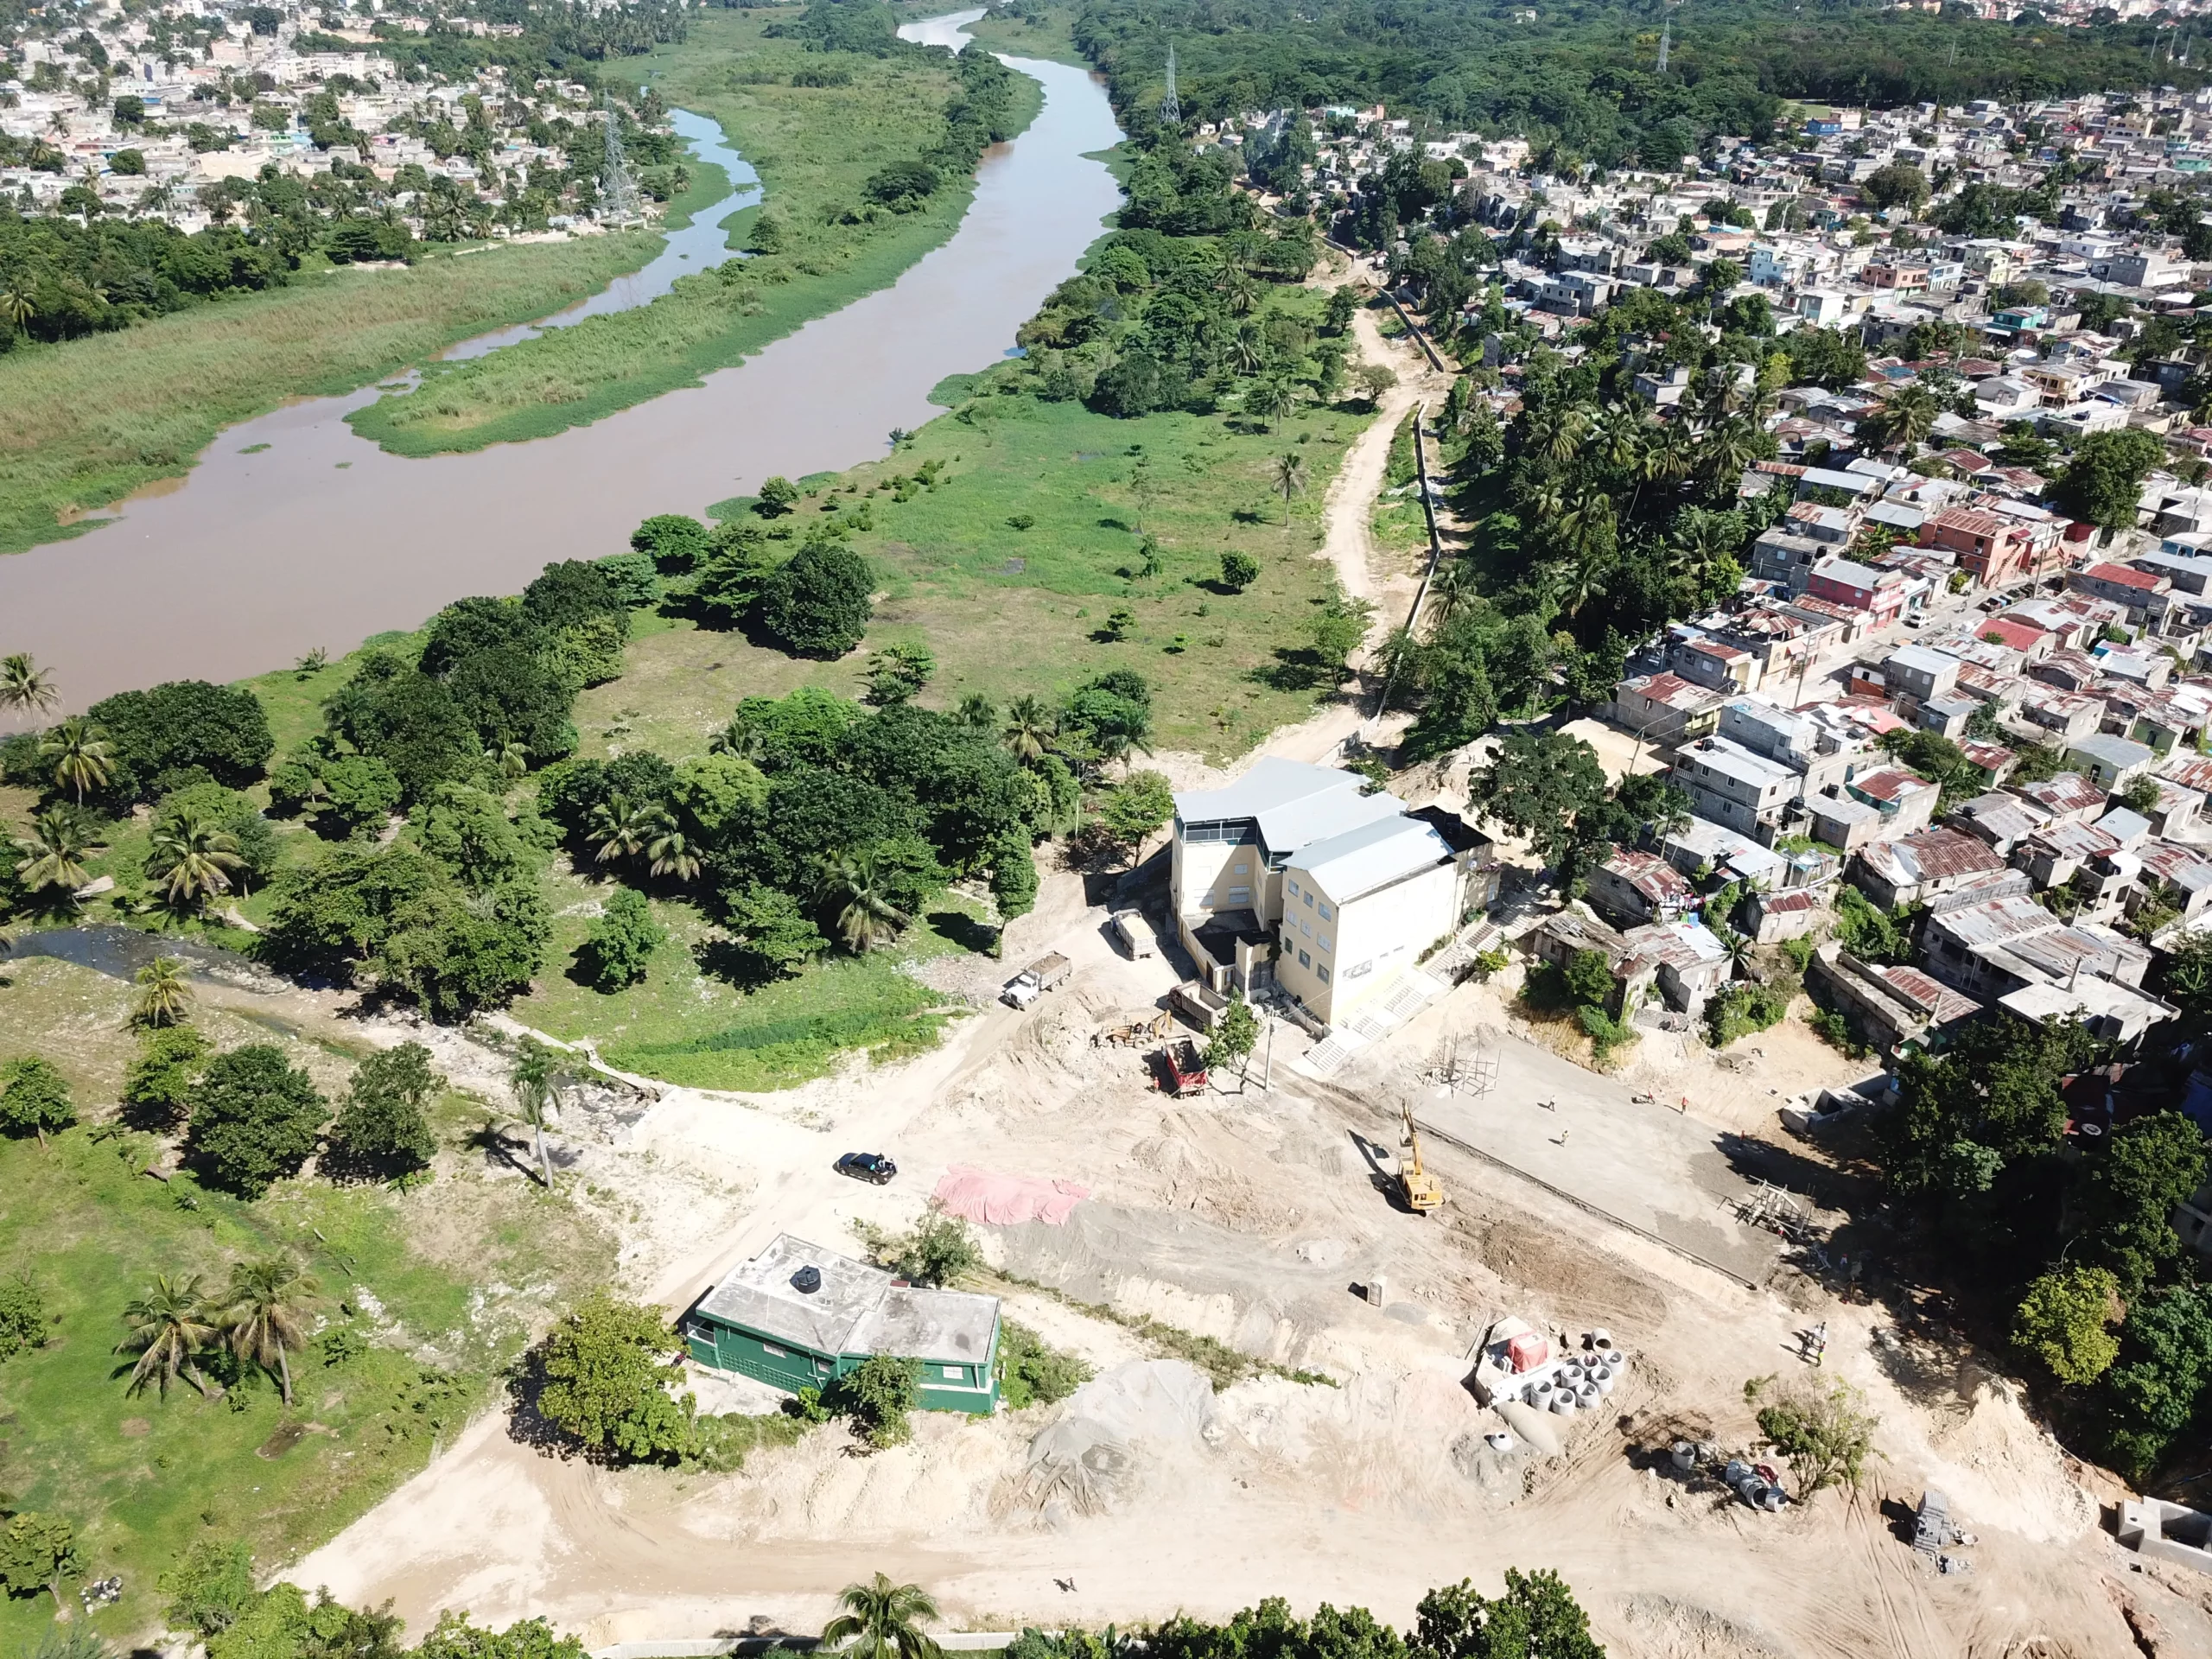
322	539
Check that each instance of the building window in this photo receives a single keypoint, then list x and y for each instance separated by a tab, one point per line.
1309	895
1305	959
1244	869
1294	889
1323	974
1240	895
1326	913
956	1373
773	1351
1326	945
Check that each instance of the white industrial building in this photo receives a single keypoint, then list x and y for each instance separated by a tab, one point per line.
1295	873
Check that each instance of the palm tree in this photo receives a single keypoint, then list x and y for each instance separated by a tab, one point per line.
264	1313
511	758
532	1081
1456	589
620	831
24	685
882	1620
60	838
1617	440
1290	482
1028	728
1908	417
1727	450
1581	579
164	993
169	1328
864	912
1241	293
672	853
1556	434
194	857
1275	400
15	306
1248	353
79	754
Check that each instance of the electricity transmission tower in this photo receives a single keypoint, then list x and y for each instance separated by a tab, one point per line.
618	193
1171	107
1666	39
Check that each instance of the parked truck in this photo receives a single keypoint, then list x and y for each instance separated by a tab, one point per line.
1132	933
1032	982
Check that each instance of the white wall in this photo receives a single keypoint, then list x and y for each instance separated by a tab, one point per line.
1385	930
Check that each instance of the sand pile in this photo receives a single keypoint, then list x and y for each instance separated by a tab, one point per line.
1096	1455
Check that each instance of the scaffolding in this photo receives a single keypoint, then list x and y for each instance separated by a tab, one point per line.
1460	1072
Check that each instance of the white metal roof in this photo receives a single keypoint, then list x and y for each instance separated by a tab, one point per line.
1293	804
1359	860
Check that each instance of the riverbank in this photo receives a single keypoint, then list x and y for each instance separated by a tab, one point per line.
87	423
816	148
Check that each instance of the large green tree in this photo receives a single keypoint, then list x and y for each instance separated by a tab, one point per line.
255	1118
606	1370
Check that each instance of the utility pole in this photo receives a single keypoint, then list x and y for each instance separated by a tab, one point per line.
1171	107
618	195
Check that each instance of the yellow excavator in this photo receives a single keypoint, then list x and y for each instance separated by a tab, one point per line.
1421	1190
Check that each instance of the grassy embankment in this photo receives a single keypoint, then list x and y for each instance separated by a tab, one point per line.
85	423
815	148
1007	612
443	1282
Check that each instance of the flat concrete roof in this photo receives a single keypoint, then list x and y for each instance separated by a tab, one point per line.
857	1310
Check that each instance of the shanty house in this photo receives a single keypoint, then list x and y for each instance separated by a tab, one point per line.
798	1316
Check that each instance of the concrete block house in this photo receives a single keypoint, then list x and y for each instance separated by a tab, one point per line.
798	1316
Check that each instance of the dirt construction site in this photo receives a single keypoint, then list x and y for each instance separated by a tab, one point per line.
1357	1467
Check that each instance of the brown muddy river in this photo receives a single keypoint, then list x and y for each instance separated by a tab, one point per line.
322	539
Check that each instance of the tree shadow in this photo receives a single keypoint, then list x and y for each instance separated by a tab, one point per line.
977	938
738	965
1758	1159
1298	668
501	1150
1123	524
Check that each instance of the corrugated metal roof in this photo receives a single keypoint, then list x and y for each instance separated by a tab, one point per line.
1294	804
1359	860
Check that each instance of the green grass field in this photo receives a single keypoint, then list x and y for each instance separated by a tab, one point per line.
86	423
813	147
444	1282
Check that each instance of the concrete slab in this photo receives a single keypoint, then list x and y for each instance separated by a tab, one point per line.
1645	1165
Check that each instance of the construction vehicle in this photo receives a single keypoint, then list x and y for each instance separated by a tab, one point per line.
1149	1029
1183	1068
1032	982
1422	1193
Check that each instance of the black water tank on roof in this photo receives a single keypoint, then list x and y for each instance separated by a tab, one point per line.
807	1279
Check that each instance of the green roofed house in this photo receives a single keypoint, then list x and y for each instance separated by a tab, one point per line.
798	1316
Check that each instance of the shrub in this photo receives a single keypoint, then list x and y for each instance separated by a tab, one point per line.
33	1098
1238	571
622	943
1826	1434
254	1119
22	1316
607	1367
159	1085
1738	1010
1031	1374
382	1129
818	604
210	1587
878	1395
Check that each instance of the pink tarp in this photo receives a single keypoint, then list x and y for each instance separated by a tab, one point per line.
1002	1200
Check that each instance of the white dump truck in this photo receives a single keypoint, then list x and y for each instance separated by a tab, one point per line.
1032	982
1133	934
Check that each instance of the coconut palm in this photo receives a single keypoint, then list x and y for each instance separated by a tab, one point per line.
24	686
1617	440
194	858
1457	589
620	829
882	1620
511	758
169	1329
865	913
1907	418
1726	450
672	853
164	993
15	306
264	1313
1028	730
1247	352
1579	581
1289	473
1556	434
1276	399
1240	293
52	855
77	751
532	1079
